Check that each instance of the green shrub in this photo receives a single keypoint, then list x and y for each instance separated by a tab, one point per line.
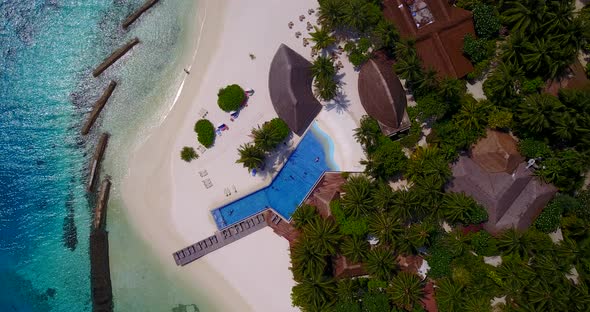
531	148
439	261
348	226
583	210
387	160
188	153
500	119
548	221
430	106
231	98
487	21
530	86
478	50
413	136
205	132
376	284
477	215
461	276
567	204
484	244
588	65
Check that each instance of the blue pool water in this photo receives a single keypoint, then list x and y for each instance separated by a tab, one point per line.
289	187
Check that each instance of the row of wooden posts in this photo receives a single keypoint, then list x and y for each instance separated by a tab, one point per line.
100	275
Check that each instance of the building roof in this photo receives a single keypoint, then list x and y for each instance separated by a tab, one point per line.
511	200
382	95
439	40
574	78
497	152
290	85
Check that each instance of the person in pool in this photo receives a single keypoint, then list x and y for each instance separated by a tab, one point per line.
317	159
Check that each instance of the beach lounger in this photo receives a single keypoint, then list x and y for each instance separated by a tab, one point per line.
201	149
191	249
246	224
203	173
203	112
176	257
198	247
215	239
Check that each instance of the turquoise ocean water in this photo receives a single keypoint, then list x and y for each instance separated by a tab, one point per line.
48	50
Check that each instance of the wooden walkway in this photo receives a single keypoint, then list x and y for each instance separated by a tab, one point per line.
219	239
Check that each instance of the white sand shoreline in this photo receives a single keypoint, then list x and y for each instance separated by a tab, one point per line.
164	197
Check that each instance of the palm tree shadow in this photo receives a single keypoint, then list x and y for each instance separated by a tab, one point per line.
340	103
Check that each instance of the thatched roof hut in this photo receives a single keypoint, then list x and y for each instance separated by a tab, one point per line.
438	28
513	198
383	96
290	85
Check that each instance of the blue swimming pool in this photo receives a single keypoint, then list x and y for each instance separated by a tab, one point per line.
290	185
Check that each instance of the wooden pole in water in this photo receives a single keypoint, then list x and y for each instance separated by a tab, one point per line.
135	15
114	57
98	107
96	160
100	213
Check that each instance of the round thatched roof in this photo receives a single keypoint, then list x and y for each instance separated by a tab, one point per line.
290	86
497	152
382	94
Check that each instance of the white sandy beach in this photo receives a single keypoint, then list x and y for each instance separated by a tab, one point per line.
165	198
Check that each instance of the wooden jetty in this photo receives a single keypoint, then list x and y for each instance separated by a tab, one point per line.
135	15
96	160
98	106
114	57
219	239
100	272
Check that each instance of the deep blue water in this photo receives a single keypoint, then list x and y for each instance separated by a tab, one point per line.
291	184
48	49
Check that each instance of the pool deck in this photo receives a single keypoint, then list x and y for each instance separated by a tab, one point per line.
221	238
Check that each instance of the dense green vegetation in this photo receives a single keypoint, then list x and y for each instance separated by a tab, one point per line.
522	44
266	139
231	98
205	132
324	74
188	153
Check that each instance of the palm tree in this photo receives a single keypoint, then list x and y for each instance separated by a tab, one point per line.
357	200
368	133
383	197
540	57
477	304
428	82
428	162
355	249
451	89
405	48
265	138
406	204
357	15
381	263
457	207
472	115
324	235
304	215
527	16
409	68
448	295
406	290
501	87
315	294
547	297
386	228
322	38
538	112
331	13
513	242
386	36
323	67
251	156
306	261
419	233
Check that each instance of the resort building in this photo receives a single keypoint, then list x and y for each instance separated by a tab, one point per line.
496	176
438	28
383	96
290	86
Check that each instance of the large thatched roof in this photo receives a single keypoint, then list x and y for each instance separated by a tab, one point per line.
513	197
382	95
497	152
290	85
